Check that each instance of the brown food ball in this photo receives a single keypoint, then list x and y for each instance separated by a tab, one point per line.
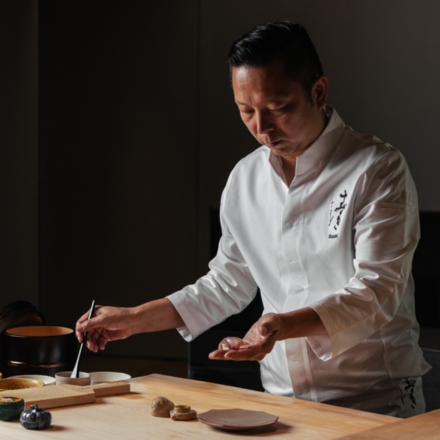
161	407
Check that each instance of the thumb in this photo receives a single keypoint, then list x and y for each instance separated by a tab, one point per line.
90	324
270	324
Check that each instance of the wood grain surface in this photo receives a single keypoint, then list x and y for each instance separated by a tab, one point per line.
127	416
425	426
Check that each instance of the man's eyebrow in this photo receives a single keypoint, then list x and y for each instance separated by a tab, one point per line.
279	100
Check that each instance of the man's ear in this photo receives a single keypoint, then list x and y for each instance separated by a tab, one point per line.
320	91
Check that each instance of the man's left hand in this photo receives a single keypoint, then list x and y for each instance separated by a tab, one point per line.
258	341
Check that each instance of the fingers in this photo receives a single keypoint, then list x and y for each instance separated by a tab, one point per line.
84	324
248	353
95	345
78	327
97	340
91	327
258	341
91	324
236	349
108	324
231	343
244	353
217	354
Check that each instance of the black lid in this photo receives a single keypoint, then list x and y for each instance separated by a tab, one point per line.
19	314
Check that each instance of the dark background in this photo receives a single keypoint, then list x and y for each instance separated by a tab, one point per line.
118	131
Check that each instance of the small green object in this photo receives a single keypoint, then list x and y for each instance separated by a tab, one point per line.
11	408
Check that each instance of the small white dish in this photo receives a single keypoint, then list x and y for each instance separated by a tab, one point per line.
107	376
48	380
63	377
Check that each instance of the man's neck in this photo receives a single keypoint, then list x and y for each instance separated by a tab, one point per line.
289	168
288	163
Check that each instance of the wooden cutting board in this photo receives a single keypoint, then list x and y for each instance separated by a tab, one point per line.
54	396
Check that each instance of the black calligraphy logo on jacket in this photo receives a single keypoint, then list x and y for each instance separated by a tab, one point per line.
336	212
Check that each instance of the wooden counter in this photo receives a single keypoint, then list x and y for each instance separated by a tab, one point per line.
426	426
128	416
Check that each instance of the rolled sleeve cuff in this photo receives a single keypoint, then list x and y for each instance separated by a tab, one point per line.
190	331
324	346
321	345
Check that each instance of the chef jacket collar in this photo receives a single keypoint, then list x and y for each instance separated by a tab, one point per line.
318	149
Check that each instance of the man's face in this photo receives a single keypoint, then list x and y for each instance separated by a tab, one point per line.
276	109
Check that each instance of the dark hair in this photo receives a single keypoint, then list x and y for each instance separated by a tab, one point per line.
282	40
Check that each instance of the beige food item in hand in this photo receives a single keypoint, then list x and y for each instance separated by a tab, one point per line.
231	343
161	407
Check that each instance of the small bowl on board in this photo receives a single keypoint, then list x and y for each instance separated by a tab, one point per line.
18	384
48	380
107	376
63	377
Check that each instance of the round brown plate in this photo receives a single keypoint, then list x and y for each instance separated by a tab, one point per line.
237	419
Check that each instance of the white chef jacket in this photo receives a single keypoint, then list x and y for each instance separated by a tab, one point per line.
340	240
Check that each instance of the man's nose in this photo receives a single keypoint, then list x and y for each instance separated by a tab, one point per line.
264	124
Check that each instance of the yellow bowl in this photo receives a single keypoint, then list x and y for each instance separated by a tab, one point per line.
17	384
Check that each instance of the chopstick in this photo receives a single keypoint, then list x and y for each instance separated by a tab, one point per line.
75	371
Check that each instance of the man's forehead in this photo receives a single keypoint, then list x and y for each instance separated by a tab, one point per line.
273	71
271	82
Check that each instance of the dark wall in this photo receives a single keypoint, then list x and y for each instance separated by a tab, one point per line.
138	133
118	158
18	151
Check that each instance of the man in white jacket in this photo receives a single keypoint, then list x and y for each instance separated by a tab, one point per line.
324	221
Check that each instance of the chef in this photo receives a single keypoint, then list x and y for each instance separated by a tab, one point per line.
324	221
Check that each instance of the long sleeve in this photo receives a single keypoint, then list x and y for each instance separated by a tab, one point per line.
385	235
227	288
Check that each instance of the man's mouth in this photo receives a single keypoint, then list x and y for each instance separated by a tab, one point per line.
272	144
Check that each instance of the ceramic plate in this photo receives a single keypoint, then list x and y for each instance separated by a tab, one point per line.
18	384
237	419
108	376
48	380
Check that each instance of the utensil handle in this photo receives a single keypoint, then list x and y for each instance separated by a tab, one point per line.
92	309
75	371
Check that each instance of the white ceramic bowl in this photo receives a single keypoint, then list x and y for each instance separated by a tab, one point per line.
48	380
63	377
107	376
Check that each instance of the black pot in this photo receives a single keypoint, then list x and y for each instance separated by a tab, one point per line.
38	350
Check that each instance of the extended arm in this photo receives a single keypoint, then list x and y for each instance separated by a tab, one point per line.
113	323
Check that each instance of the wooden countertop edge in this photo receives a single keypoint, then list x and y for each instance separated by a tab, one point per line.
424	426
